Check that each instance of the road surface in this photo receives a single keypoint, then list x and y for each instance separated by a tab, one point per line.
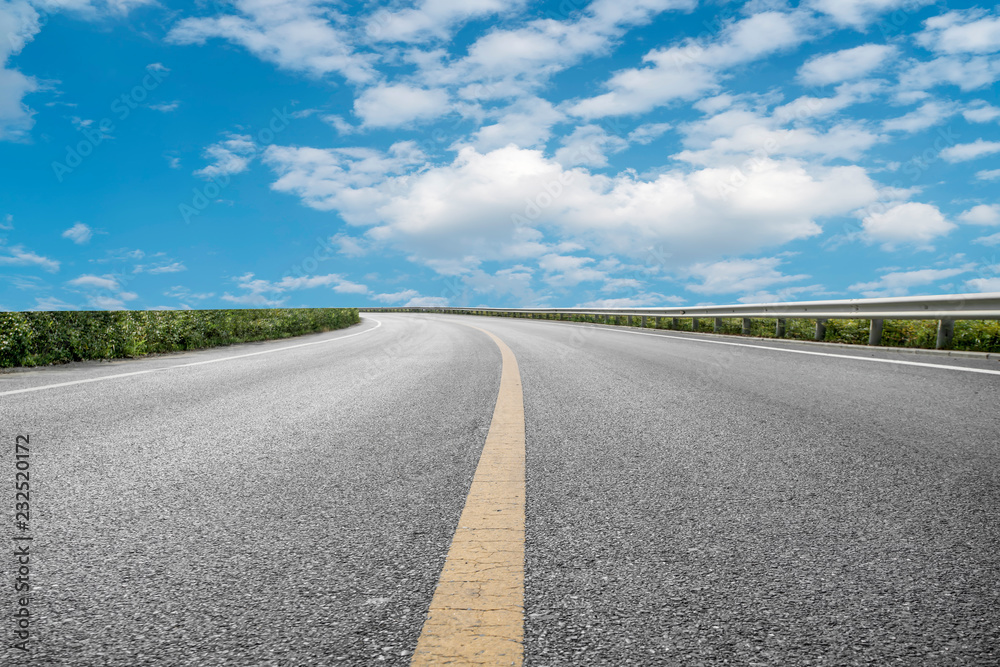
293	502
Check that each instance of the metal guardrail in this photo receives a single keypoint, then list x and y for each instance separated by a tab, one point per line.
946	309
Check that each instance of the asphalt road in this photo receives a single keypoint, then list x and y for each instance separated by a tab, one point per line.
687	502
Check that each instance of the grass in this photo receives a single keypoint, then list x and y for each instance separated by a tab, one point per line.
43	338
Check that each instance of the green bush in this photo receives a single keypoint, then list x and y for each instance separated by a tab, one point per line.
37	339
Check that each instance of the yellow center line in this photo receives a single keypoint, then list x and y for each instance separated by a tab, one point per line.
477	614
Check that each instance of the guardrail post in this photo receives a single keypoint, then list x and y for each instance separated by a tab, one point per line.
694	324
628	320
643	322
945	332
779	328
875	333
674	323
658	324
746	326
820	330
717	325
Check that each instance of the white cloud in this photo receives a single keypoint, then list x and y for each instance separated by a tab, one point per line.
991	240
293	34
527	124
173	267
433	19
618	284
981	112
984	214
690	70
641	300
899	283
395	105
396	297
648	132
846	65
928	115
78	233
983	284
166	107
50	303
988	175
184	294
480	205
107	282
911	222
968	73
18	256
427	302
739	275
231	156
349	180
253	299
779	295
513	63
19	23
7	223
977	149
588	146
858	13
961	32
257	290
568	271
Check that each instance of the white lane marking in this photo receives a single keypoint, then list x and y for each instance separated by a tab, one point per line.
815	354
193	363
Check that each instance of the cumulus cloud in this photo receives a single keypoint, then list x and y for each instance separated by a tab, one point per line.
507	63
846	65
964	152
899	283
107	282
907	223
477	205
981	112
19	23
690	70
78	233
395	105
260	292
296	35
230	156
961	32
527	123
927	115
433	19
739	275
19	256
859	13
983	214
983	284
173	267
588	146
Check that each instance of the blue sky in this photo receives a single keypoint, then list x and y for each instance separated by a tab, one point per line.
495	152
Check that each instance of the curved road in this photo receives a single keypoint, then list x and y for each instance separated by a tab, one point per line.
687	502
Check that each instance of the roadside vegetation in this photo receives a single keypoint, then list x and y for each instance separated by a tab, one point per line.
971	335
42	338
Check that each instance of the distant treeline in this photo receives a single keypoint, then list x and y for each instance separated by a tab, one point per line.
41	338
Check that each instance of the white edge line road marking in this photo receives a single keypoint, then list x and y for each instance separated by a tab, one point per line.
815	354
193	363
